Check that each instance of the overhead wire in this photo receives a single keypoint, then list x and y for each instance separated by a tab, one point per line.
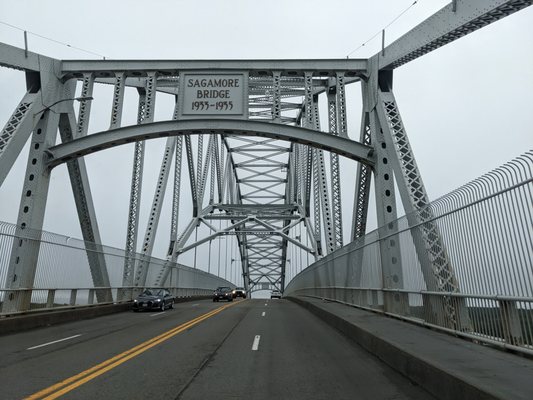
382	29
53	40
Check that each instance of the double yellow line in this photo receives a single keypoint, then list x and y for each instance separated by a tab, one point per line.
59	389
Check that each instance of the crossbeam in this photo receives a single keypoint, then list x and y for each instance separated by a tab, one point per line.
108	139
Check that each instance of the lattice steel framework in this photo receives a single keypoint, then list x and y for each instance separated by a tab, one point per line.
261	178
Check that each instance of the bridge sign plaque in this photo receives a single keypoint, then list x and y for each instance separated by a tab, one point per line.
208	95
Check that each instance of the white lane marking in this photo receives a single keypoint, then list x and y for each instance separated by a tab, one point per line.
195	305
266	304
159	313
55	341
255	345
263	314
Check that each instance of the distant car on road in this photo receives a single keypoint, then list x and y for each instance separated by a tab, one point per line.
275	294
154	299
239	292
223	293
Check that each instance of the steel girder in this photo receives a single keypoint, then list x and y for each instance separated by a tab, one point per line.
363	180
135	201
155	213
17	130
455	20
257	68
81	191
25	251
436	266
103	140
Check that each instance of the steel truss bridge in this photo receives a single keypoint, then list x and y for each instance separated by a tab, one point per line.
258	160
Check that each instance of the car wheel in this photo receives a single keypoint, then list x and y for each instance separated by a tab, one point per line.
162	306
171	305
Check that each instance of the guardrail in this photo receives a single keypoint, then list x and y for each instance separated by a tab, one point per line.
486	227
47	299
63	277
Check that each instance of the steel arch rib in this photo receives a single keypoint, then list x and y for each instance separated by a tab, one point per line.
106	139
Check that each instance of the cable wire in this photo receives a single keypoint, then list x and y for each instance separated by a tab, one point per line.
381	30
53	40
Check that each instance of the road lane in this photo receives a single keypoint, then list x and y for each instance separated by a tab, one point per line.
299	357
25	372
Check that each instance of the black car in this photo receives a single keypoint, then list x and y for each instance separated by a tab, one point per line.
223	293
239	292
153	299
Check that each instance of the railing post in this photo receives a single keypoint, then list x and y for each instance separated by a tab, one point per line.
90	300
73	295
510	321
50	298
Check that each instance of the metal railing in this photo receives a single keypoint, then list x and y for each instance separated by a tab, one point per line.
487	229
63	277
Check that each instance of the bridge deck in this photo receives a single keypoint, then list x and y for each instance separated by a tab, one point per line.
298	356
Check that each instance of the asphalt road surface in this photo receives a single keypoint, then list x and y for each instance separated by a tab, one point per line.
248	349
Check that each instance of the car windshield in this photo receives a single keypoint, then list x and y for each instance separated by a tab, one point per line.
223	289
239	288
153	292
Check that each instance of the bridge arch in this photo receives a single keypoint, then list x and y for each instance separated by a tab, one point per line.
107	139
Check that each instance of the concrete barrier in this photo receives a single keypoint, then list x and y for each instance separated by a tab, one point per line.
448	367
38	319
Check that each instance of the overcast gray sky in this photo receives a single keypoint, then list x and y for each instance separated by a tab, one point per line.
467	107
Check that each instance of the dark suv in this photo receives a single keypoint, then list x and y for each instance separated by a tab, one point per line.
223	293
239	292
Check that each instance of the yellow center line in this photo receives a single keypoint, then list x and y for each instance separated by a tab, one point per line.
65	386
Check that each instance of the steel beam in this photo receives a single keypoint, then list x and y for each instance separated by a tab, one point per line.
444	27
103	140
17	130
81	190
25	251
155	213
354	66
436	266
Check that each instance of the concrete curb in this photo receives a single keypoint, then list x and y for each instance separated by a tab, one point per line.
441	380
18	323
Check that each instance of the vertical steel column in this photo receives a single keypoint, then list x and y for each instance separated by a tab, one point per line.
276	97
26	244
135	193
329	231
144	115
202	179
333	116
176	193
391	261
363	181
85	105
436	266
118	100
192	175
213	169
219	160
155	213
310	164
81	190
199	165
